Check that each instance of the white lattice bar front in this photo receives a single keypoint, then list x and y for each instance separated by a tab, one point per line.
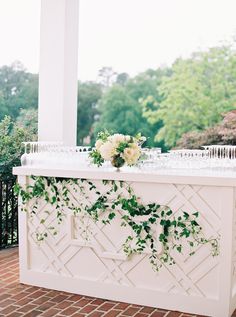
84	256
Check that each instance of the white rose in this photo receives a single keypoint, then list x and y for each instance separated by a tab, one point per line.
117	138
107	150
132	154
98	144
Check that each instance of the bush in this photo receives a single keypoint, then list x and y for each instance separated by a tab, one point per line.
223	133
11	148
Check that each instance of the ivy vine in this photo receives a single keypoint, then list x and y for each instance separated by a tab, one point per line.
175	232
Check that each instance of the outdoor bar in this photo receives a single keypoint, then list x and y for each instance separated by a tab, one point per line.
68	261
66	244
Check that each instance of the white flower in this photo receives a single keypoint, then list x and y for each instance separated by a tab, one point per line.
142	139
132	154
130	151
117	138
98	144
107	150
127	138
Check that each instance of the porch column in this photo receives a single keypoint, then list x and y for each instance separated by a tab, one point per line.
58	71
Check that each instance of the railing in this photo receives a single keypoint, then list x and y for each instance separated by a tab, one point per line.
8	214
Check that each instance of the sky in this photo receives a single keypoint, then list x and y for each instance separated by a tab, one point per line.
127	35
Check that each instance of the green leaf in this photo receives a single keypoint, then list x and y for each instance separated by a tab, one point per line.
179	248
111	215
186	215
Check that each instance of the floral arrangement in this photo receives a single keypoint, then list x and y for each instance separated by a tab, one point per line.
119	149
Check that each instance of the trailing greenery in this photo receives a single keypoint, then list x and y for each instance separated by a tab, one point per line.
112	198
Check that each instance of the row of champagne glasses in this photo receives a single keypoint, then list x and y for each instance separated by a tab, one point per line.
212	156
221	151
53	153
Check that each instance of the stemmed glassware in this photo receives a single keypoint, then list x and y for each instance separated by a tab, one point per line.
222	156
56	154
53	154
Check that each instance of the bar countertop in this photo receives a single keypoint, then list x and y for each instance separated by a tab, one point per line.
213	177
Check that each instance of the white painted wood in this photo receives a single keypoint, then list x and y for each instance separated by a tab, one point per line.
58	71
163	176
199	284
226	274
233	282
23	234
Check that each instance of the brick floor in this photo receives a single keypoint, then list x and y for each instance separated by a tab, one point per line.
23	300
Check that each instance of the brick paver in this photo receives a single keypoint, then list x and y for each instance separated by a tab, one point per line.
28	301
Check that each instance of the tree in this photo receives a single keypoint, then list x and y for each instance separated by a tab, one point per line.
144	88
3	107
12	79
118	112
107	76
121	113
123	107
11	138
28	95
223	133
28	119
198	91
18	89
147	84
122	79
89	94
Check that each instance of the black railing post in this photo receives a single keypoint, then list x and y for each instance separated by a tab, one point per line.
6	233
1	213
12	212
8	214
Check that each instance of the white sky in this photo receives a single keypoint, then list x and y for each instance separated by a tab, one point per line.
128	35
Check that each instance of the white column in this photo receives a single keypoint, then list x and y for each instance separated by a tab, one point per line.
58	71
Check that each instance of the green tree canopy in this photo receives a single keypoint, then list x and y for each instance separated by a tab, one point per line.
88	95
121	110
199	90
18	89
28	119
118	112
125	108
11	137
221	133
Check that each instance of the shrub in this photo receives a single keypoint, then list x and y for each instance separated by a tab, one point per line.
222	133
11	149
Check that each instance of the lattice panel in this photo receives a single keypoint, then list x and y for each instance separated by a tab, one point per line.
99	257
